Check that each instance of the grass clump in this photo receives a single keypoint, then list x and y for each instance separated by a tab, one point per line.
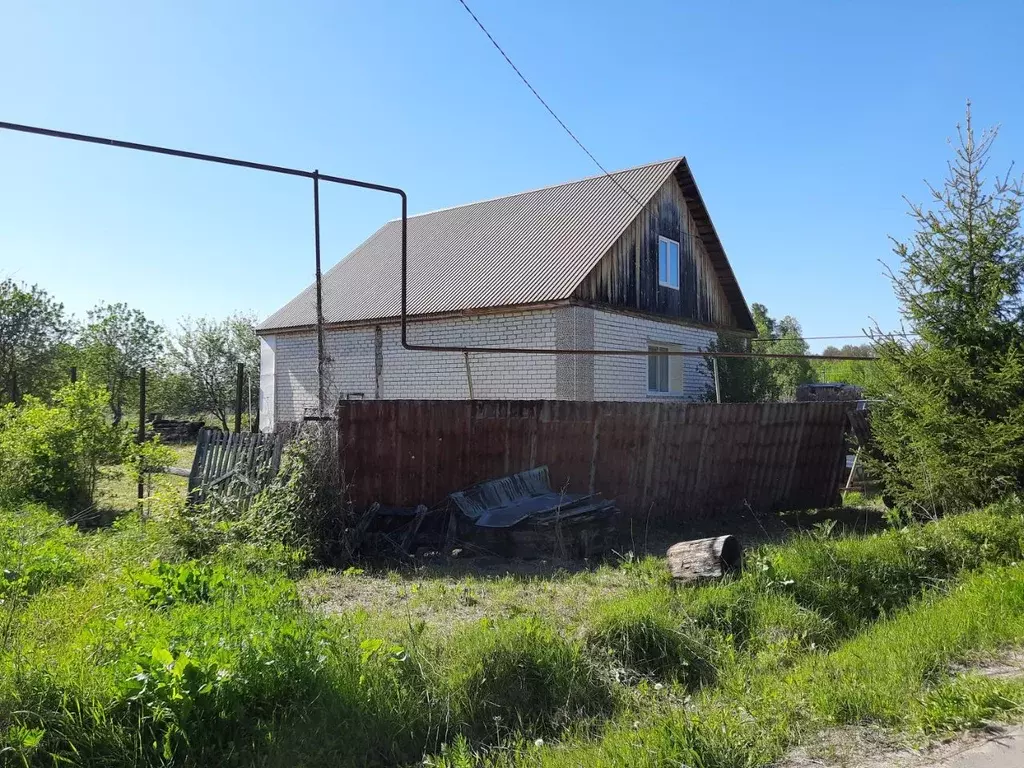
897	672
756	620
521	675
969	702
853	581
643	637
165	584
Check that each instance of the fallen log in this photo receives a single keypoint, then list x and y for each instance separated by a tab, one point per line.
701	559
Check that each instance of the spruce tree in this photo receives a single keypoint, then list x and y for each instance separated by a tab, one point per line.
950	424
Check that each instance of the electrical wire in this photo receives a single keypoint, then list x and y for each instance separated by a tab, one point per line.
546	105
823	338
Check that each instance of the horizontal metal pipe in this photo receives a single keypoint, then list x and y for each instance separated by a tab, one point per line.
196	156
629	352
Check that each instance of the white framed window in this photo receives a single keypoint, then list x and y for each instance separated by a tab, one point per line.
657	368
668	262
664	372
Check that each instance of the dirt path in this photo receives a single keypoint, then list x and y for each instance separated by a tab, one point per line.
1004	750
1000	746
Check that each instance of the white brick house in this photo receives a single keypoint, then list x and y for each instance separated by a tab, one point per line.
575	266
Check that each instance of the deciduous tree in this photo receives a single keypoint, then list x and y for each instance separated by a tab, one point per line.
206	352
762	379
116	342
33	331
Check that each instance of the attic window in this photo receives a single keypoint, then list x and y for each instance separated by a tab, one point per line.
668	262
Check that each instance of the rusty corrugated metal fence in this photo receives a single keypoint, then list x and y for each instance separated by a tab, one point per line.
668	460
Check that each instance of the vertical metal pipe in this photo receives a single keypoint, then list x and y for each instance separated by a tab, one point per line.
140	436
319	297
405	267
718	385
239	378
74	373
254	419
469	374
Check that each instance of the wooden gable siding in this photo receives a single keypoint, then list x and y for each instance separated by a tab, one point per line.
627	275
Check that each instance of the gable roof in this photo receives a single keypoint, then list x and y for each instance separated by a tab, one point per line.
527	248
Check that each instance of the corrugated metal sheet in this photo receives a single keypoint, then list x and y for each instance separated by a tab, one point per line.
527	248
673	461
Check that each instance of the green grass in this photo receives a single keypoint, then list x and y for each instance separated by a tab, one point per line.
117	492
643	635
895	674
116	649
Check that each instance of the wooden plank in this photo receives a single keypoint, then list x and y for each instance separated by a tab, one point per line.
177	471
250	458
197	460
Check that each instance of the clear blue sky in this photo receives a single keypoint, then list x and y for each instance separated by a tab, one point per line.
804	123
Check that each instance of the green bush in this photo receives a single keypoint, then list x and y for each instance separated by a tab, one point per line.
520	675
37	550
51	454
641	634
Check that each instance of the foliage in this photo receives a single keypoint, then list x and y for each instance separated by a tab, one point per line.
951	428
919	646
115	343
755	380
33	330
853	372
37	551
741	379
165	584
782	337
52	453
203	356
302	509
856	579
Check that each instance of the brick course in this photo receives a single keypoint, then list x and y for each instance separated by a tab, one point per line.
370	361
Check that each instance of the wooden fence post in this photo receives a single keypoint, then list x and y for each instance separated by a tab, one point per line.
140	436
239	378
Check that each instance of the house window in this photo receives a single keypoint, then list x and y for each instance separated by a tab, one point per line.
664	372
668	262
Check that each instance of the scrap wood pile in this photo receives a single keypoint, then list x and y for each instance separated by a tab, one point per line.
514	516
174	430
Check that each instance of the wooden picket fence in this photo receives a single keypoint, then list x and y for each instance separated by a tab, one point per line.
233	464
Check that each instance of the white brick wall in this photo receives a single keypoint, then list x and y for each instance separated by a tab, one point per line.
625	378
354	367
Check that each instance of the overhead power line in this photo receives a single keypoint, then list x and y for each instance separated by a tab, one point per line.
824	338
546	105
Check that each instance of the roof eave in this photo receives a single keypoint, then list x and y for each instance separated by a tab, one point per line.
713	244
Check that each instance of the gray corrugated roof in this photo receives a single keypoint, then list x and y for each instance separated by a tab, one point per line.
522	249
